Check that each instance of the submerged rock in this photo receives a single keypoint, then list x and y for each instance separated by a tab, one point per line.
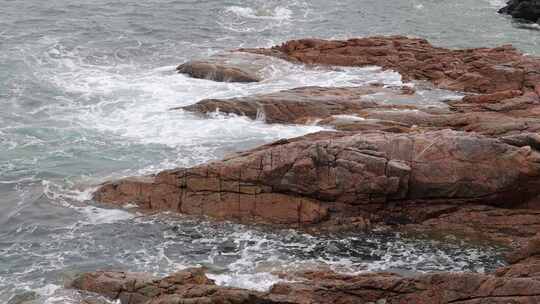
216	72
228	67
523	9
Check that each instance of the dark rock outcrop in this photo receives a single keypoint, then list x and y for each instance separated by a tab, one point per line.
528	10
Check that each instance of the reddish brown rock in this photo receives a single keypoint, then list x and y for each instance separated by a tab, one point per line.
387	109
507	226
304	180
187	286
481	70
397	167
510	285
531	251
492	98
438	288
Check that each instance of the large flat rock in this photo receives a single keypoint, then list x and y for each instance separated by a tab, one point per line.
319	177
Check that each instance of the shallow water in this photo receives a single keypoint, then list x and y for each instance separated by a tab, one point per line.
85	89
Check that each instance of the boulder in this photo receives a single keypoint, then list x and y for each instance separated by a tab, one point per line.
216	72
228	67
528	10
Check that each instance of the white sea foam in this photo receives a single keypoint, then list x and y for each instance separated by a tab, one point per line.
497	3
277	13
263	15
349	117
72	198
133	103
253	281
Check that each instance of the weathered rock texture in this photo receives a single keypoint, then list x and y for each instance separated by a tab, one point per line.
188	286
481	70
517	283
523	9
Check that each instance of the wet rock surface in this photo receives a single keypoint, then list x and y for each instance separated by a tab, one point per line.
528	10
228	67
516	283
310	104
391	109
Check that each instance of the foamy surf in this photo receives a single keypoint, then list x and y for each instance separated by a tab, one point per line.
78	200
497	3
263	15
133	104
254	281
277	13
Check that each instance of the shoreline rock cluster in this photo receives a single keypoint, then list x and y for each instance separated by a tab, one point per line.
470	168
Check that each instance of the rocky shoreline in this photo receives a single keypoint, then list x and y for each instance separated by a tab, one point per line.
469	167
